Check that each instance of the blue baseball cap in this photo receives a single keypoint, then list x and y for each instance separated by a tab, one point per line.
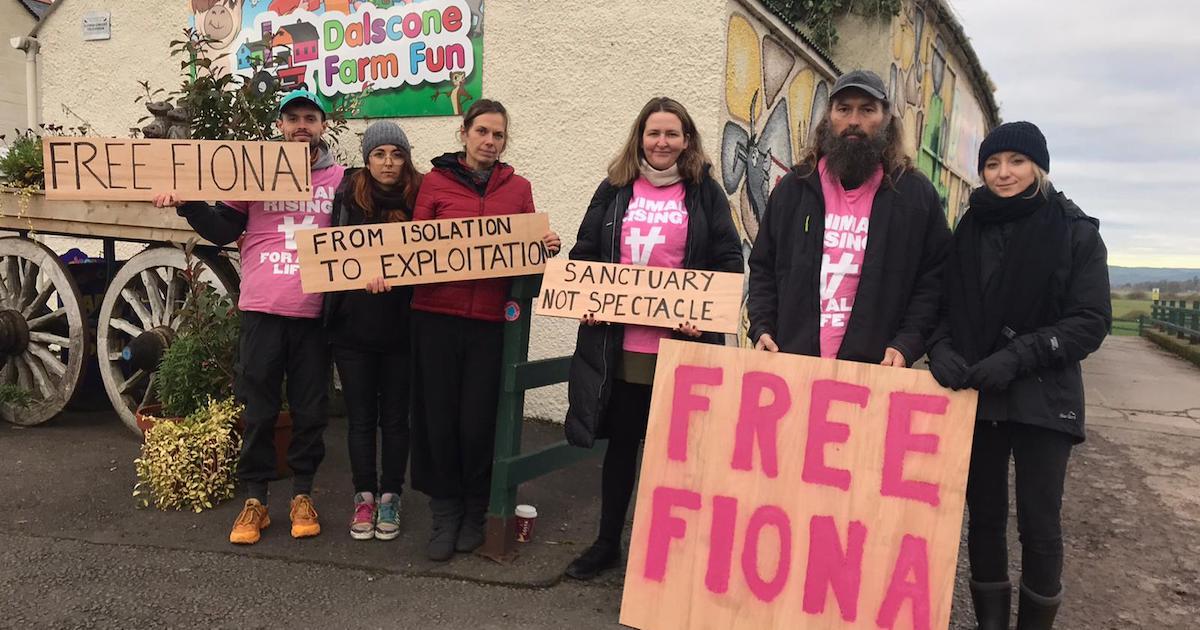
301	96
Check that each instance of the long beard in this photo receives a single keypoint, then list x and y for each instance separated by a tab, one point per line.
852	161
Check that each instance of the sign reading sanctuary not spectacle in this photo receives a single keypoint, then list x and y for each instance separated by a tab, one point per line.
422	252
636	294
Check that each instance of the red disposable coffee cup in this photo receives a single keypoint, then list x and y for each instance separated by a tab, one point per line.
526	516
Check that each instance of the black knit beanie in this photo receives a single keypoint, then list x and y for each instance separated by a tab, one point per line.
1023	137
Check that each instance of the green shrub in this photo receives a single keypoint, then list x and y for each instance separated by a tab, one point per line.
21	166
199	363
189	463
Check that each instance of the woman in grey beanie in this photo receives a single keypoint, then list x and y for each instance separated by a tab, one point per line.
369	332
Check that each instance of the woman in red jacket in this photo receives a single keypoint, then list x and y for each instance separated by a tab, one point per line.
458	338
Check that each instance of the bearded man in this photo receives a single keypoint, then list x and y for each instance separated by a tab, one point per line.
848	259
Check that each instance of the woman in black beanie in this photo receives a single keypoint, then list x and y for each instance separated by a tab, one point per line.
1027	298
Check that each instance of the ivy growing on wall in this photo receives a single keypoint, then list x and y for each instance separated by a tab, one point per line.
817	17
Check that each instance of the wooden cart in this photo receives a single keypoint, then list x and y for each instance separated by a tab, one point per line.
44	329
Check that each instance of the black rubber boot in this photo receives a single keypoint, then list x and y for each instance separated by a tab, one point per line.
470	536
992	602
1037	612
600	556
447	520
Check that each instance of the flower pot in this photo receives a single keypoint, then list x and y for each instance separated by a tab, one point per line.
147	415
283	439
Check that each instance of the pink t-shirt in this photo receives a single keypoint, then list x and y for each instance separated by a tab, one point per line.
847	219
654	234
270	271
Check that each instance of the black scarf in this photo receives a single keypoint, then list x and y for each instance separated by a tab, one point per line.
389	203
1017	300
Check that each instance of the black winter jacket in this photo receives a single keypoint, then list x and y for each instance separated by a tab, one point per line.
713	244
901	282
357	319
1048	392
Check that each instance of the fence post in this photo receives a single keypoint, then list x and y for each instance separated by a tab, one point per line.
1194	337
1141	325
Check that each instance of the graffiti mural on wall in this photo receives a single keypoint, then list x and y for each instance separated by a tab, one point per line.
772	98
944	123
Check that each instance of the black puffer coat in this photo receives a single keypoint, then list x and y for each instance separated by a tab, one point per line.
1048	392
713	244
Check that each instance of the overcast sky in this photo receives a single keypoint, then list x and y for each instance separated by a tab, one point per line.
1115	86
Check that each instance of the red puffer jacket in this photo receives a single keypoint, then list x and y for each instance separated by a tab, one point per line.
448	192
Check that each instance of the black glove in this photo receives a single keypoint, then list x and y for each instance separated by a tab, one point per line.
996	372
948	366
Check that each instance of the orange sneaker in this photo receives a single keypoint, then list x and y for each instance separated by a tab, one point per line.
250	523
304	517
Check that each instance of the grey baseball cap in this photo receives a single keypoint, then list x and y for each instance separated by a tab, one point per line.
864	80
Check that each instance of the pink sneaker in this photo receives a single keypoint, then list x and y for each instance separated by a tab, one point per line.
362	526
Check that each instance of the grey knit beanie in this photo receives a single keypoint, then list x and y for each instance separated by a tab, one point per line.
381	133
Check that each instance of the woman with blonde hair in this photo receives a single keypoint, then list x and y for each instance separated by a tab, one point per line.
661	167
1027	298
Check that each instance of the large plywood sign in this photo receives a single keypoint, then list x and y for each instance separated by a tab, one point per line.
634	294
422	252
780	491
114	169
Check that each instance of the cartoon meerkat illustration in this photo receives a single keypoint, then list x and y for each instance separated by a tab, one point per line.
459	96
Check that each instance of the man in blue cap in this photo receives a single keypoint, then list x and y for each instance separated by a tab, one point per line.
848	259
281	331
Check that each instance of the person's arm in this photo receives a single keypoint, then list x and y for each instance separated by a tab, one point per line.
587	240
921	315
762	297
220	224
424	208
723	237
1079	331
1087	311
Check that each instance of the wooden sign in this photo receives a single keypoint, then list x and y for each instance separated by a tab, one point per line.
114	169
781	491
422	252
634	294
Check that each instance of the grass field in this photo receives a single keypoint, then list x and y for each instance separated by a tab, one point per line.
1129	310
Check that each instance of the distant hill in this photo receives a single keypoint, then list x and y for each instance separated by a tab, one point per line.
1122	276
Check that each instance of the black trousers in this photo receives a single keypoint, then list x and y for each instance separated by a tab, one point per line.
271	347
625	421
456	391
1040	458
376	388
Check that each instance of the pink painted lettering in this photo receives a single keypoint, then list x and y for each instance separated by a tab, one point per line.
832	567
684	402
664	527
767	515
913	559
720	549
760	423
900	440
822	432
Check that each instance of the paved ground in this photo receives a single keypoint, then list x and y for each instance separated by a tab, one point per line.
75	553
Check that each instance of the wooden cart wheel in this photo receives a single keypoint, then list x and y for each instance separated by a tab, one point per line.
42	336
138	319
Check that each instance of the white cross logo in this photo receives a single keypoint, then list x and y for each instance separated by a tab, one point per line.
832	275
640	247
289	227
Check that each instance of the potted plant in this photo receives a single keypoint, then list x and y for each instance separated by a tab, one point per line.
189	463
198	363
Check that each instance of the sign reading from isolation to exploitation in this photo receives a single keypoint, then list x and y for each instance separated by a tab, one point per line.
115	169
635	294
782	491
422	252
